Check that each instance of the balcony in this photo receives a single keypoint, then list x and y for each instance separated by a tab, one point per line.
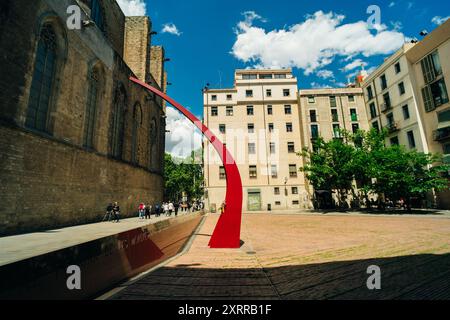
441	134
393	127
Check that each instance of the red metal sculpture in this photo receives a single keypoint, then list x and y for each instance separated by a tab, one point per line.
228	229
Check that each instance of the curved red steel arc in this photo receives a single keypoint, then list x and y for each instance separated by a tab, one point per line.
228	228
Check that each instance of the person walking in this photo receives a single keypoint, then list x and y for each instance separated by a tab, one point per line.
116	211
166	209
148	211
109	212
141	209
171	208
177	206
157	209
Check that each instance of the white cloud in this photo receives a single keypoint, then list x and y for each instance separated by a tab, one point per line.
358	63
391	4
311	44
132	7
183	137
171	28
325	74
438	20
316	85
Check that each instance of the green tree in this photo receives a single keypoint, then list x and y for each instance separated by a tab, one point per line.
182	176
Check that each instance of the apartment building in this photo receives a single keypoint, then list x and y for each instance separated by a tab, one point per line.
258	120
324	112
430	61
391	101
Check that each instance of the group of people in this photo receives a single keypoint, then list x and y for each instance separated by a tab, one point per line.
147	210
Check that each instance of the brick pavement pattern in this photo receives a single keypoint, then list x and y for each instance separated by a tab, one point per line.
309	257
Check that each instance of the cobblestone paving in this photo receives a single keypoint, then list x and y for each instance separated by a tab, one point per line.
310	257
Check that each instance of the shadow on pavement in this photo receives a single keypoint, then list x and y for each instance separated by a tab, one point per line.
425	276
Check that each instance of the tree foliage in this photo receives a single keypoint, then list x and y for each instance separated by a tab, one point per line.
363	157
182	176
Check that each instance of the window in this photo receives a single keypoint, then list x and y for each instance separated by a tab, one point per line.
311	99
373	110
353	115
334	115
294	190
137	118
390	120
249	77
312	116
265	76
336	131
431	67
276	191
229	97
401	88
369	93
214	111
394	141
376	126
405	110
355	127
251	148
268	93
249	110
397	68
435	95
43	78
411	140
291	147
287	109
383	82
249	93
97	14
229	111
269	110
289	127
314	131
271	127
351	98
293	170
272	148
387	101
214	97
274	171
278	203
280	76
222	174
222	128
91	110
118	123
286	92
251	128
333	102
295	202
252	172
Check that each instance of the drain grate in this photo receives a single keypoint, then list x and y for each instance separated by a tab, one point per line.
251	252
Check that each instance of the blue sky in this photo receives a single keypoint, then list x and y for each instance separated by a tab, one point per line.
324	41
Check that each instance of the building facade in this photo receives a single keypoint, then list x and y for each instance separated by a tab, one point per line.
391	102
75	134
324	112
258	120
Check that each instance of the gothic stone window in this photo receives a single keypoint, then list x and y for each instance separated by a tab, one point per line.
43	78
91	109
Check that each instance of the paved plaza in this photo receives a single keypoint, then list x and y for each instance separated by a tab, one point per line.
309	257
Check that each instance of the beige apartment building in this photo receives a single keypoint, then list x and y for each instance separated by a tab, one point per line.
258	120
391	101
324	112
430	61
